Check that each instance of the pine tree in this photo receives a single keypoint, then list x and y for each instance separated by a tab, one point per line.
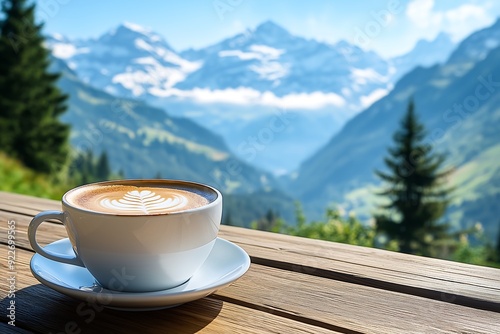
417	195
102	169
30	102
88	167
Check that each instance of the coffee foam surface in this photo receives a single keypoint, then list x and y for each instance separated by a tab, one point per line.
136	200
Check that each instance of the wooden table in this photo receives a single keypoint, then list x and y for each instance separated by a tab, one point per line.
294	285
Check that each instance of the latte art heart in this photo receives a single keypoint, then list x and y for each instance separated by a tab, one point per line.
130	199
145	201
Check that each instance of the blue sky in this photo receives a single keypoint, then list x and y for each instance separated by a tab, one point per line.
389	27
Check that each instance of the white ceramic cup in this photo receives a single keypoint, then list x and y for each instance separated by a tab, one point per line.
137	253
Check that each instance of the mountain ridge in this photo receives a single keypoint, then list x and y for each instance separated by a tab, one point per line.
458	104
238	85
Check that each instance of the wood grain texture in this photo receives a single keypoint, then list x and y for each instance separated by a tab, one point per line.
448	281
313	301
27	204
293	285
43	310
351	306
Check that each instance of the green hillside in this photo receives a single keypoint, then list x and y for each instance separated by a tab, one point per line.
146	142
16	178
342	171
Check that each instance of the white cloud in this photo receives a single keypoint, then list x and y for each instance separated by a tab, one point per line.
465	12
315	100
421	14
461	21
63	50
458	21
363	75
66	50
249	96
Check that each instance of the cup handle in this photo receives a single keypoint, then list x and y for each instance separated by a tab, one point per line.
32	228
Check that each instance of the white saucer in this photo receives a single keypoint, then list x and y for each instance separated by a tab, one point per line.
226	263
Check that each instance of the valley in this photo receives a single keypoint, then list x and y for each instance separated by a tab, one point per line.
271	118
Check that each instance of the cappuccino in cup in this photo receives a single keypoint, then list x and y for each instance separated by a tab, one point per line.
137	235
138	200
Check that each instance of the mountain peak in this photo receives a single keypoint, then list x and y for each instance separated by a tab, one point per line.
442	36
128	32
269	28
131	30
134	27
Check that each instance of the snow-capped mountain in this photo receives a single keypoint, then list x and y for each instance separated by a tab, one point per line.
267	64
127	61
239	86
270	59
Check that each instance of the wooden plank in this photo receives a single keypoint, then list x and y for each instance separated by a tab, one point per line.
39	308
10	208
26	204
353	307
431	278
20	199
449	281
320	303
